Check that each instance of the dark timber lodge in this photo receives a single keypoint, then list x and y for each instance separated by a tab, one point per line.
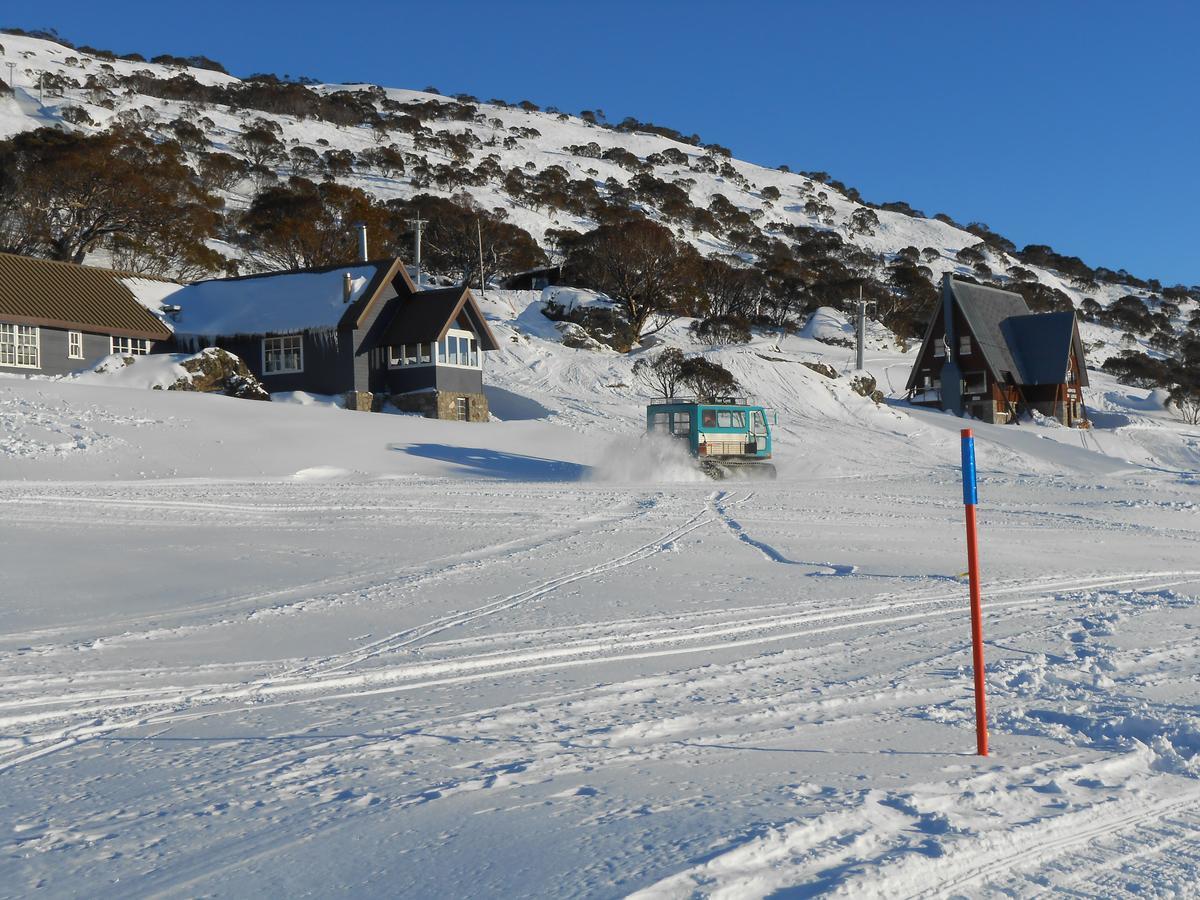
361	330
986	354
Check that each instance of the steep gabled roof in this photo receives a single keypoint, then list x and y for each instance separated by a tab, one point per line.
1034	347
1042	344
80	298
985	309
426	316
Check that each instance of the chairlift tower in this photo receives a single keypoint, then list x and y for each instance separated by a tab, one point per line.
860	328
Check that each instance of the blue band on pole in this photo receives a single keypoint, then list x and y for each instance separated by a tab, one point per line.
970	494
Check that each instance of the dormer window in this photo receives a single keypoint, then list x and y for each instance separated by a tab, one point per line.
939	346
459	348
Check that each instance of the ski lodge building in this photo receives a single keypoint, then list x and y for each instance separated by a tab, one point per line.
362	330
986	354
57	317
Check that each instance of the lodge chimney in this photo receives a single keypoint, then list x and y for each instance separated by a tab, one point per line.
362	241
347	287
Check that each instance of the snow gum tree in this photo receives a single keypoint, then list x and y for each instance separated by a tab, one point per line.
301	224
62	195
663	374
706	380
660	374
1185	400
651	277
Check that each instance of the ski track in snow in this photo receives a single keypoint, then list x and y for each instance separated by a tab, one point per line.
571	730
327	674
609	693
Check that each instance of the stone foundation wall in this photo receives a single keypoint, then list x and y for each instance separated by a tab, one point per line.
364	401
442	404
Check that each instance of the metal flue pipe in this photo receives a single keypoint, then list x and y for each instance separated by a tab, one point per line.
362	241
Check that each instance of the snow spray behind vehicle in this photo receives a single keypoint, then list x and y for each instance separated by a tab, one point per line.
653	459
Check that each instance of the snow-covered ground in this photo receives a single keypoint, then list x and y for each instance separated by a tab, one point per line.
272	649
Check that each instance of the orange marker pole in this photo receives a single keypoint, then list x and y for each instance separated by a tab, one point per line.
970	497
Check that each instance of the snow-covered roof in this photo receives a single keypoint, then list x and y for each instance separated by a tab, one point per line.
152	293
264	304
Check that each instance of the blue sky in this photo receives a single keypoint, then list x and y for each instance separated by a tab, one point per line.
1064	123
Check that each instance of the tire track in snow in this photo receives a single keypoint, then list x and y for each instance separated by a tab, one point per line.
372	580
740	625
500	771
721	510
67	737
503	771
587	647
421	676
416	634
1048	839
614	632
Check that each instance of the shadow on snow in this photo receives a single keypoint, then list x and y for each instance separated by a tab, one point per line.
510	407
498	464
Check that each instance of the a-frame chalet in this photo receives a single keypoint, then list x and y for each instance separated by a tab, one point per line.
986	354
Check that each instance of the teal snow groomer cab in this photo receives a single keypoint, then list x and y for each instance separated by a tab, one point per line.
726	436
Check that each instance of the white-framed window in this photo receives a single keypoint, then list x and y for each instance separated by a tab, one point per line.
130	346
404	355
939	346
20	346
462	407
75	344
283	354
459	348
964	344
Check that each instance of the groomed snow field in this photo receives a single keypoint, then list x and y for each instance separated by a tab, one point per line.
282	649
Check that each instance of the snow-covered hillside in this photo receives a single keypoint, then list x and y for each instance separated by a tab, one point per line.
265	649
494	140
